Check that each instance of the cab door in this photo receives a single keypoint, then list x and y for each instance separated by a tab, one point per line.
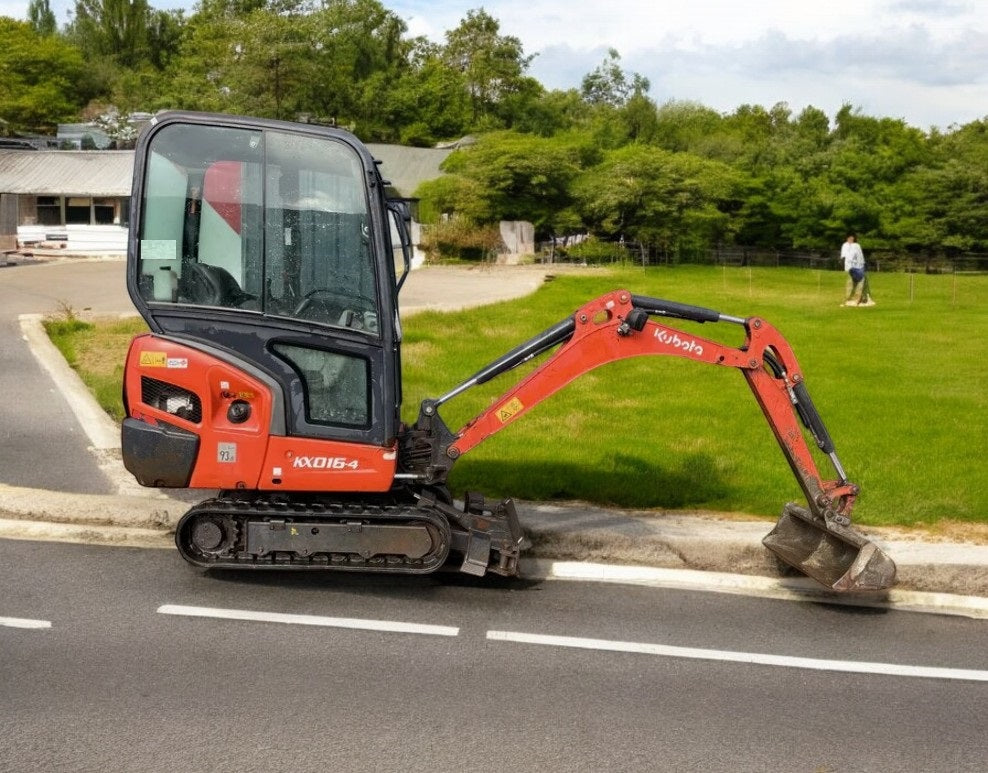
269	244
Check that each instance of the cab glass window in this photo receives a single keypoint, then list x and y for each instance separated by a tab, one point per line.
259	221
336	385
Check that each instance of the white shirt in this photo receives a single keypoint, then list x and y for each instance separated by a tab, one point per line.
852	255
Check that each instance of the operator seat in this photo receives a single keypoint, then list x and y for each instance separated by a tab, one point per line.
209	285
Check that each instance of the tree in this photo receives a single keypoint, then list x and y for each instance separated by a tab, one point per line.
128	47
425	102
640	119
165	30
685	126
116	126
117	29
362	55
271	64
229	9
940	206
452	195
334	64
510	176
667	200
44	78
492	64
813	126
547	113
609	85
41	17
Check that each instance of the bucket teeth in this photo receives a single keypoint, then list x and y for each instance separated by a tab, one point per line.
833	555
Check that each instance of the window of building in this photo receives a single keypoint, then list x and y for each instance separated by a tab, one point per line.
49	210
103	210
77	210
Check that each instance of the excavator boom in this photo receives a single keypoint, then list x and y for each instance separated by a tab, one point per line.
816	540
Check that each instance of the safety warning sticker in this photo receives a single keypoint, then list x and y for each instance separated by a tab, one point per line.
509	410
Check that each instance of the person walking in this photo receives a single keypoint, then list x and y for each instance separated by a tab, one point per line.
858	293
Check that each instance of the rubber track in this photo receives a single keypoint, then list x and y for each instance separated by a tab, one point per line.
241	511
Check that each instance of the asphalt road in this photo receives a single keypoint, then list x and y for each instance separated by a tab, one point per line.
41	442
127	679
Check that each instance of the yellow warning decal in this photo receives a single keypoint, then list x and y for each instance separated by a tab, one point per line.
510	409
154	359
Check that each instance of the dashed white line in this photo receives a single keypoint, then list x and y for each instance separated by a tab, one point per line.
851	666
608	645
23	622
330	622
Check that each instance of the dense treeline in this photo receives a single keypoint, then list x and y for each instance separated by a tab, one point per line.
603	158
757	178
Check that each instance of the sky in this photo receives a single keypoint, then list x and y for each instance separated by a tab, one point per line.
923	61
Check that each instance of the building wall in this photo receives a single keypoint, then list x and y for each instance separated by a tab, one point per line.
55	211
86	224
84	239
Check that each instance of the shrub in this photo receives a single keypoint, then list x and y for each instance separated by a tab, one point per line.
458	239
593	251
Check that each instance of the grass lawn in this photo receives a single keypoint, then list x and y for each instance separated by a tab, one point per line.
901	387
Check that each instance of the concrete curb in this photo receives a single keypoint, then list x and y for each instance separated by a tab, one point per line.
121	536
103	433
581	533
152	511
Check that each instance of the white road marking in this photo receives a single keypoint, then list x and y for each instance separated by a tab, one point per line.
787	589
851	666
330	622
23	622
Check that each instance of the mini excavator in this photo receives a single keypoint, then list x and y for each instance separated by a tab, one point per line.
266	258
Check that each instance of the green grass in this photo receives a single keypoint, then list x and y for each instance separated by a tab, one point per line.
901	387
96	350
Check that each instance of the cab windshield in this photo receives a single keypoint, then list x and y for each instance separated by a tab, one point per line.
259	221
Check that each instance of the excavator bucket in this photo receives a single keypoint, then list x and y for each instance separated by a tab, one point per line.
831	554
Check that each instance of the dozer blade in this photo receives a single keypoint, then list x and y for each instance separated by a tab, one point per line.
833	555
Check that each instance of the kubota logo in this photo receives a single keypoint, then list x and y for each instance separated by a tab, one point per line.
687	345
325	463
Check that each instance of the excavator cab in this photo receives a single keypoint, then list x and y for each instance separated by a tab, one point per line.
275	244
